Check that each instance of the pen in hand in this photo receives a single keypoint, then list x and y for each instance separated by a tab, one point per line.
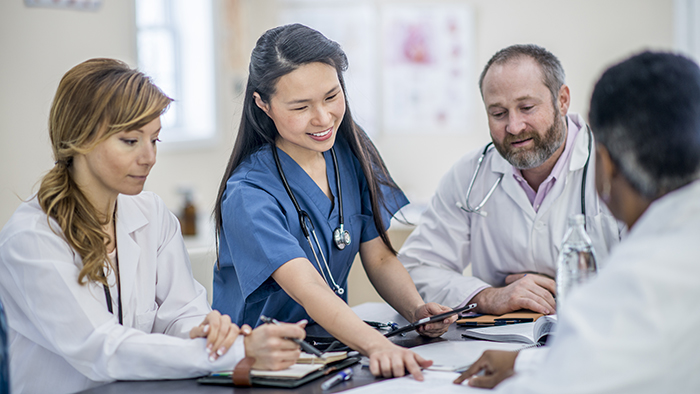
305	346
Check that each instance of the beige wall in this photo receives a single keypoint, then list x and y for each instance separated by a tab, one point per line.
38	45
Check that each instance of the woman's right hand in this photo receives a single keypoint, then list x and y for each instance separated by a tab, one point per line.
393	361
269	345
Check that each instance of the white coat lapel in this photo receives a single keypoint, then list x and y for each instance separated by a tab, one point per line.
568	184
510	185
580	153
129	219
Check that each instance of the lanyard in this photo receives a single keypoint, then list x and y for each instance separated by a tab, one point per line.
108	295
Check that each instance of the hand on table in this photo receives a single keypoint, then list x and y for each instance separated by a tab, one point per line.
522	291
496	365
269	345
219	331
393	361
437	328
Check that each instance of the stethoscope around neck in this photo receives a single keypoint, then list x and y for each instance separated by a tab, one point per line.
478	209
341	237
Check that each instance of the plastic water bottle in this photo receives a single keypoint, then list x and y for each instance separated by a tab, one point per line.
577	261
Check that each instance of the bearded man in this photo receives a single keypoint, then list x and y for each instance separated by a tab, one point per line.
504	210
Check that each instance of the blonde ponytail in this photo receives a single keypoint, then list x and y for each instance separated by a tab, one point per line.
62	200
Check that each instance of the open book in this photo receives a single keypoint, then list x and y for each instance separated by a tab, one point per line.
529	333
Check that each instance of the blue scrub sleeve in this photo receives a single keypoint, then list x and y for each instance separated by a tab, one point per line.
256	230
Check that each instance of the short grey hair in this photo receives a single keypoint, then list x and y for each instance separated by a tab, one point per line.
646	112
552	71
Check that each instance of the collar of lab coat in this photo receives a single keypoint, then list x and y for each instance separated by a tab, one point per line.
129	219
578	156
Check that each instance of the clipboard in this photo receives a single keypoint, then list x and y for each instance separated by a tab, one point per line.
431	319
521	316
268	381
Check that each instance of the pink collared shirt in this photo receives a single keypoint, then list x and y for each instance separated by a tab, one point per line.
536	197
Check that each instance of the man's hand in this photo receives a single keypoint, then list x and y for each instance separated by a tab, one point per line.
490	369
437	328
523	291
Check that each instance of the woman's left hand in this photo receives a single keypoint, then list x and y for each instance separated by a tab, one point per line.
437	328
219	331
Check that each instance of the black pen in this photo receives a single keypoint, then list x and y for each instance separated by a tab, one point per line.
304	345
502	322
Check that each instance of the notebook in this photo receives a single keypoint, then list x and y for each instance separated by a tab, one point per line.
294	376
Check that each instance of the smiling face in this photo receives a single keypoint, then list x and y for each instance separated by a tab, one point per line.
119	164
527	129
307	108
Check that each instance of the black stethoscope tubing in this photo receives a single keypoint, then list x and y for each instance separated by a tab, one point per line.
340	235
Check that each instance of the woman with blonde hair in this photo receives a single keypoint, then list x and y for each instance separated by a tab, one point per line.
94	273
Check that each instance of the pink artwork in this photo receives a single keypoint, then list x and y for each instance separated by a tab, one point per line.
427	69
416	46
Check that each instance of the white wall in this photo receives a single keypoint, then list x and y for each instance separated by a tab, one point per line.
38	45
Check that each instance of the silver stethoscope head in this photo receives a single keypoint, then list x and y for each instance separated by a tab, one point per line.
477	209
341	237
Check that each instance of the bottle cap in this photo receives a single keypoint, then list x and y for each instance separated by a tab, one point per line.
576	219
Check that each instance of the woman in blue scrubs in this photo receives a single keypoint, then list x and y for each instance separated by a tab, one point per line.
295	108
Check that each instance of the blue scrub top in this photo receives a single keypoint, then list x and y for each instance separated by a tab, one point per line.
260	230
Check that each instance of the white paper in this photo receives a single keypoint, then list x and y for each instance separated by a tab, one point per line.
521	332
434	382
459	355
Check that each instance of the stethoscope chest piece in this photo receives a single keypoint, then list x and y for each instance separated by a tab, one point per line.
341	237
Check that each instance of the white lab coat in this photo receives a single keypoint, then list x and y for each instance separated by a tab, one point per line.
512	238
634	329
63	338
